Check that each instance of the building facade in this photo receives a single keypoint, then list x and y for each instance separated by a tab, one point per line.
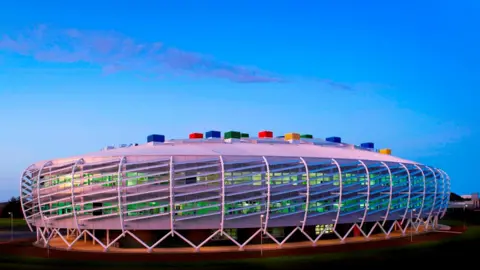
232	187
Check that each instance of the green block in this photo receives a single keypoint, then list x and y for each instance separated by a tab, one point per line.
232	135
306	136
244	135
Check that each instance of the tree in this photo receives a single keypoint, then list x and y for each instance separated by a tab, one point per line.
12	206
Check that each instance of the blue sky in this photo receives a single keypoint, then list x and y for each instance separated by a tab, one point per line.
77	77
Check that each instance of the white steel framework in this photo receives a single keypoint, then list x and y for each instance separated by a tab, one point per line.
227	192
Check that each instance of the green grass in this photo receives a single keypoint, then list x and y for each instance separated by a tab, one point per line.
455	248
17	222
452	222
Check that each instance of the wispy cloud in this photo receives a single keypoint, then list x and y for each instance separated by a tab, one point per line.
114	52
337	85
343	86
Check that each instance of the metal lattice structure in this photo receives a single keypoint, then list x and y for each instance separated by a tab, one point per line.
226	184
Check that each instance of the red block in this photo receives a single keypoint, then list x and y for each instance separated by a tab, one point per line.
196	136
265	134
356	231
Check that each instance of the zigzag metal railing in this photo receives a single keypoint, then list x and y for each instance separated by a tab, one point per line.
47	234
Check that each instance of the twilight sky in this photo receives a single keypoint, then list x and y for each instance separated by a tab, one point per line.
77	77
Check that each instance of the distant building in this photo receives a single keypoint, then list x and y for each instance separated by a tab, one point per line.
468	201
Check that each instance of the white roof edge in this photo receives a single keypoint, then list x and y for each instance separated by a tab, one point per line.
239	148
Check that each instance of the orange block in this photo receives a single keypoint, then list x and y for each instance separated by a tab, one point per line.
292	137
385	151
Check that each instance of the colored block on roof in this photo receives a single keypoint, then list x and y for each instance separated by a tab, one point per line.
265	134
306	136
369	145
155	138
245	135
195	135
334	139
385	151
232	135
292	136
213	134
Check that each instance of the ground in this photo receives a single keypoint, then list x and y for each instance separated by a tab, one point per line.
432	250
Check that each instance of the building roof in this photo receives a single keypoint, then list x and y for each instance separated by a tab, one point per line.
244	147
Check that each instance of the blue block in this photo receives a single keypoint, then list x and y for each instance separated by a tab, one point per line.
280	137
213	134
334	139
369	145
155	138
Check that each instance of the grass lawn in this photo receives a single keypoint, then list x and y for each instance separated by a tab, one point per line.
17	222
454	250
452	222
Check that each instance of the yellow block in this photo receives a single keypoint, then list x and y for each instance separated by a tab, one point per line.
292	136
386	151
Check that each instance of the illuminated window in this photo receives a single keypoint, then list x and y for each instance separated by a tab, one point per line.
231	232
327	228
276	232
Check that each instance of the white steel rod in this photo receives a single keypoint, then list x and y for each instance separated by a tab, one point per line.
442	199
267	214
449	187
222	221
74	210
21	197
119	193
339	193
409	191
390	194
367	201
172	203
38	191
447	193
434	193
307	200
420	212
